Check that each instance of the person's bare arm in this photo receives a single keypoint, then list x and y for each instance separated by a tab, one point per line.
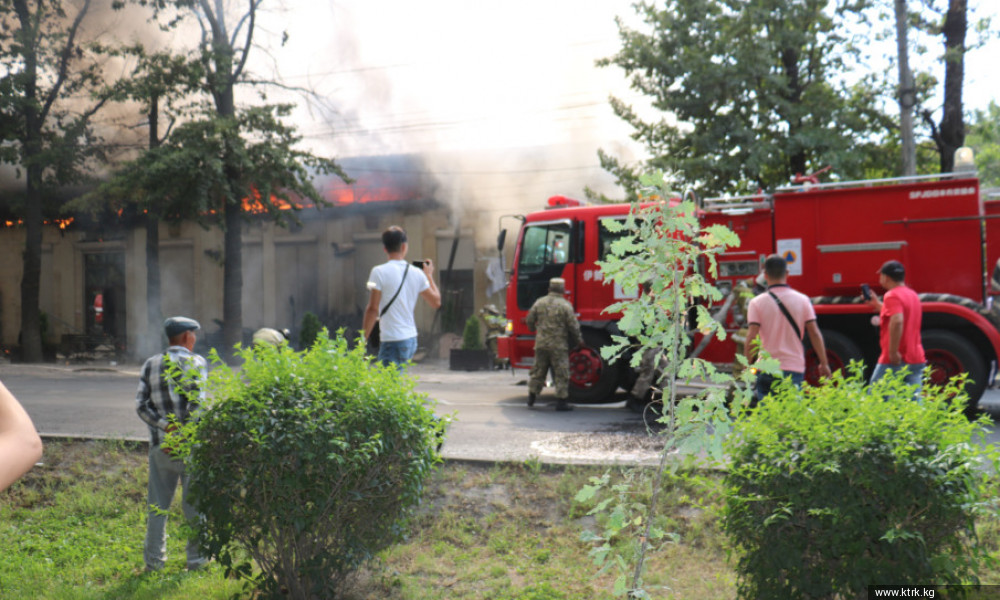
371	311
816	338
895	335
20	445
748	346
431	295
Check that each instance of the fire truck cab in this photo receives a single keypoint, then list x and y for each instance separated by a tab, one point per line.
834	237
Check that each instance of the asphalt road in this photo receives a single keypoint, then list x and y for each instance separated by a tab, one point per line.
490	420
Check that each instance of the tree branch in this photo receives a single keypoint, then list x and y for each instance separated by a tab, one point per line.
64	59
252	16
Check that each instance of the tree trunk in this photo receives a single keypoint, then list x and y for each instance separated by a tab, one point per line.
154	309
232	278
906	92
31	276
232	275
951	135
31	335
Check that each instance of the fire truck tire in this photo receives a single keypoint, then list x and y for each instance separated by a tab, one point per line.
840	351
949	354
592	380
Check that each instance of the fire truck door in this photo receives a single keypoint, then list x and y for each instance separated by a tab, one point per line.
546	252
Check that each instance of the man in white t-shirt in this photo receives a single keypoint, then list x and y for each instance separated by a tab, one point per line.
778	336
398	328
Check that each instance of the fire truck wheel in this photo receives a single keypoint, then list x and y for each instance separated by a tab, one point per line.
592	379
840	351
949	354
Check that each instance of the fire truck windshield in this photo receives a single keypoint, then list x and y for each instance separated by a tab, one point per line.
544	244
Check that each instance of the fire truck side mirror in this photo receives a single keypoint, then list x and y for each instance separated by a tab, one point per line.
501	239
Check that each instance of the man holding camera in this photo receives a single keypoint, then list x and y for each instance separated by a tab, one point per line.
393	289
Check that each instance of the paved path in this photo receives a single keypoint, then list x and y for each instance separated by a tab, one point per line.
490	419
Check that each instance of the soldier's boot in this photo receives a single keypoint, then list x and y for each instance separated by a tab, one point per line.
531	398
563	405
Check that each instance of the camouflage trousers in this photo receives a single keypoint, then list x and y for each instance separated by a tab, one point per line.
558	361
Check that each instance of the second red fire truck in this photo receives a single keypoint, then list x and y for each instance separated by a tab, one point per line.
834	236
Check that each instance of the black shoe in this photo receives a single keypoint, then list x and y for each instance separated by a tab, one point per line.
564	406
531	399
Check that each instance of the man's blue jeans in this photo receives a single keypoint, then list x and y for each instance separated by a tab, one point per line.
765	380
914	375
398	353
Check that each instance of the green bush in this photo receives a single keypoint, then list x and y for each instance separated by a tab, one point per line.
836	488
311	326
308	463
472	339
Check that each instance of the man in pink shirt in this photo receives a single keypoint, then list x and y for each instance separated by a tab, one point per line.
900	315
778	317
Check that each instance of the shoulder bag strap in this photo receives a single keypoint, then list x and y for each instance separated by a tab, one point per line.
406	270
788	315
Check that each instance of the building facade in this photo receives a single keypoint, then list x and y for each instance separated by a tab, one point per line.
94	278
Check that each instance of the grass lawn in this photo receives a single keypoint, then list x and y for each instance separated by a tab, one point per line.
73	529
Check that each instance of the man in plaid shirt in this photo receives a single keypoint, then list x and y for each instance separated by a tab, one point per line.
163	403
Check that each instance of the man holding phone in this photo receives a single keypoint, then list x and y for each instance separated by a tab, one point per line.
393	289
900	316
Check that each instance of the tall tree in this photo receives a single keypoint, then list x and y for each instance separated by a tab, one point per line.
751	93
162	84
949	133
46	75
907	91
244	169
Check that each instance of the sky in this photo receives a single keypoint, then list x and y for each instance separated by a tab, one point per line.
502	99
504	94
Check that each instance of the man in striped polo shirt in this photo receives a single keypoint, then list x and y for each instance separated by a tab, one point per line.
164	400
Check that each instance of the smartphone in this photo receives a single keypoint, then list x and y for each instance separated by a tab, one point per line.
418	264
866	292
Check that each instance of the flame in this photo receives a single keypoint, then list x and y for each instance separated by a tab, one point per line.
62	224
255	206
368	189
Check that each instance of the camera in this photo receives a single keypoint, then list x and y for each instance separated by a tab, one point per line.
418	264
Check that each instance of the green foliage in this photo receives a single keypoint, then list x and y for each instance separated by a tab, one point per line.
667	252
662	250
192	174
307	462
472	338
311	327
838	487
749	93
984	138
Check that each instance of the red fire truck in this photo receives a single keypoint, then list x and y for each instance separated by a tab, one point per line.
834	236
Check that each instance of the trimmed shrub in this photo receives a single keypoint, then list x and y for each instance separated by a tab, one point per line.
308	463
472	338
311	326
836	488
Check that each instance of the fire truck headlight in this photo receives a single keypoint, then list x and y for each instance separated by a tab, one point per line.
509	328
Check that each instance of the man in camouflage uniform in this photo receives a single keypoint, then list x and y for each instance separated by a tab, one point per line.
557	330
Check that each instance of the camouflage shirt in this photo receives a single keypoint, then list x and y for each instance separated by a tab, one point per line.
553	318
